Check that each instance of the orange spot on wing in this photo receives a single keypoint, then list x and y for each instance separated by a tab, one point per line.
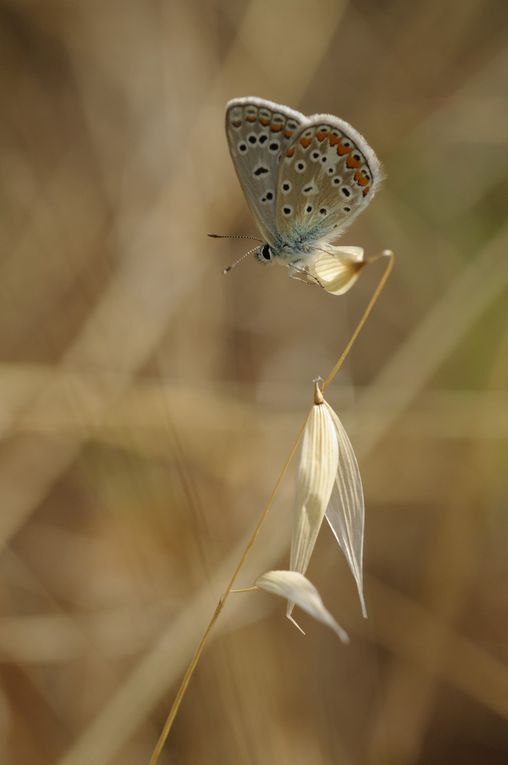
251	117
320	135
290	151
334	139
366	191
236	123
276	127
288	133
264	120
341	149
352	162
305	142
360	178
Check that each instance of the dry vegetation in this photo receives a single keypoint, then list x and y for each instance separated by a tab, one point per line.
147	402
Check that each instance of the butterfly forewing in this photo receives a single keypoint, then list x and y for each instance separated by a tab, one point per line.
259	133
327	176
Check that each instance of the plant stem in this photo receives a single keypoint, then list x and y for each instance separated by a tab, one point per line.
220	605
370	305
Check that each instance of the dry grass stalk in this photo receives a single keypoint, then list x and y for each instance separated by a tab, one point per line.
311	603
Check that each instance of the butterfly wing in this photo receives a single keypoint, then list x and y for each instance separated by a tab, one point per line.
259	133
327	177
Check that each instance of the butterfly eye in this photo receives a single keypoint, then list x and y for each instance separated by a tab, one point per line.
266	252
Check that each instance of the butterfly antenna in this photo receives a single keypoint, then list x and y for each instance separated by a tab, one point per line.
235	236
245	254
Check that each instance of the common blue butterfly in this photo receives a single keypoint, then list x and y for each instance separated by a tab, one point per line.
305	180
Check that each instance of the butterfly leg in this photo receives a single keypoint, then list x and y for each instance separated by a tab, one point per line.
299	272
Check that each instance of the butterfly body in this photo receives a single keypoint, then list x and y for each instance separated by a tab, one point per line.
305	179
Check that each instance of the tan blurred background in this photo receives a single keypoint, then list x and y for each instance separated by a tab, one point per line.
147	402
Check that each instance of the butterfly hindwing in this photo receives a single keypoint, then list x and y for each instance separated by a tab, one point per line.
259	133
327	176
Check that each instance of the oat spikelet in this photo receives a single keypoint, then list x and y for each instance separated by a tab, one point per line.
316	476
336	269
297	589
346	510
328	483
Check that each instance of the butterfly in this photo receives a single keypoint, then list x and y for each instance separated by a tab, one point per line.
305	180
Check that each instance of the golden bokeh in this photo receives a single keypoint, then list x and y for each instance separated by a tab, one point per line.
147	402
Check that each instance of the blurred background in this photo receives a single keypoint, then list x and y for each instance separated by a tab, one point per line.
147	402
